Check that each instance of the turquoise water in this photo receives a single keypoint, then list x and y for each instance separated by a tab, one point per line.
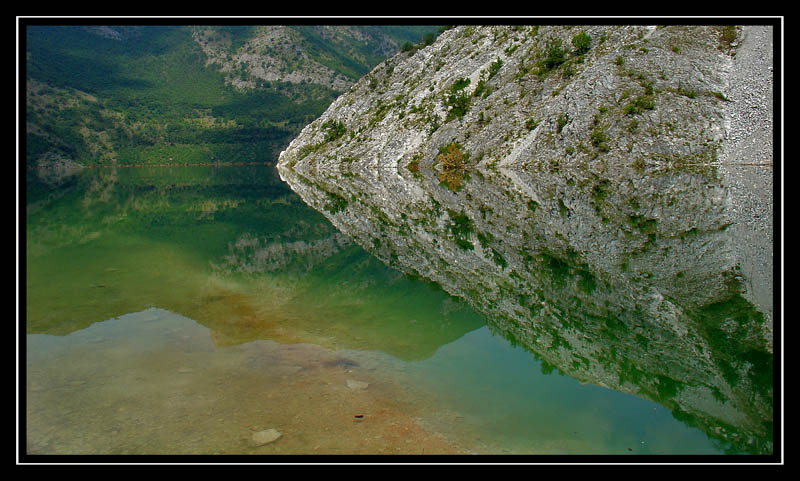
186	309
525	410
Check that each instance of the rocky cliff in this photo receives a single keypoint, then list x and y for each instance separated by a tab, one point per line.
568	182
279	53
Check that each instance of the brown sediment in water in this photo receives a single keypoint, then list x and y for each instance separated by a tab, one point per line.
109	396
237	318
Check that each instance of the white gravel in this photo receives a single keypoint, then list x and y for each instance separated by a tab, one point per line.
747	163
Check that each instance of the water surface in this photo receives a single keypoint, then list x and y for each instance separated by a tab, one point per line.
183	309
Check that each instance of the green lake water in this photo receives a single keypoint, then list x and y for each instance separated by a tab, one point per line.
183	310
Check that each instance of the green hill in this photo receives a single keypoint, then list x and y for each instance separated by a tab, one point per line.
122	95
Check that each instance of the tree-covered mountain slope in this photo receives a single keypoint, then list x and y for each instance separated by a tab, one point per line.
159	94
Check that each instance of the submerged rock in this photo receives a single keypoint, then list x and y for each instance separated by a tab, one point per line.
266	436
357	385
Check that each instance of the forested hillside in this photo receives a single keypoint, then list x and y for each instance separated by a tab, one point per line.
103	95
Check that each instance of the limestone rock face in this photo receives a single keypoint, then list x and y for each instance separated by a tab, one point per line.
571	192
638	96
280	53
275	66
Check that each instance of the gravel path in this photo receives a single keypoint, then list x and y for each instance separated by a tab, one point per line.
747	163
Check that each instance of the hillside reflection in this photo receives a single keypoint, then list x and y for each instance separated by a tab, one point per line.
230	247
623	277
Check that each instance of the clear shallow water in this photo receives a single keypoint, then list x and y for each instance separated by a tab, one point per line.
182	310
155	382
525	410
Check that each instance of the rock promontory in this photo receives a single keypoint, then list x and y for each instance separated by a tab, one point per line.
574	185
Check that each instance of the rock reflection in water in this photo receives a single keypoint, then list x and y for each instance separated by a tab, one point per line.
620	276
231	247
